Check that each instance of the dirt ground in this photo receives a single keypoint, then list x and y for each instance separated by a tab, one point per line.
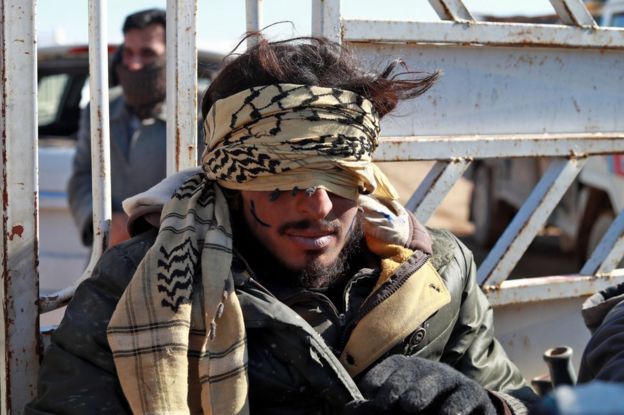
543	256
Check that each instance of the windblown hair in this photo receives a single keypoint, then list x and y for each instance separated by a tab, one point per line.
319	62
141	19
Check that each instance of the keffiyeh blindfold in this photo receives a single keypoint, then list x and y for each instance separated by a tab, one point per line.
278	137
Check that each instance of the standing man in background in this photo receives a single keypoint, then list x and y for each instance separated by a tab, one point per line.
137	126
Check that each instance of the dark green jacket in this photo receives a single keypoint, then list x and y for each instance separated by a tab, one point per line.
292	368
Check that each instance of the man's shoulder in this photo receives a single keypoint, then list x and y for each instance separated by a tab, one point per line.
118	264
445	247
115	94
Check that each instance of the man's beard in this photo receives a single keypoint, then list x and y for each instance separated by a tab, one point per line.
313	275
316	276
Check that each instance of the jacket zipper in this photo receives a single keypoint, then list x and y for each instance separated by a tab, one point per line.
370	304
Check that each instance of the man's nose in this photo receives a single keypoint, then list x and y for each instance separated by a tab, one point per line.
134	63
316	205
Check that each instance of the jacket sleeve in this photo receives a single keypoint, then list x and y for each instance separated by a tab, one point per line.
79	185
603	358
472	348
77	374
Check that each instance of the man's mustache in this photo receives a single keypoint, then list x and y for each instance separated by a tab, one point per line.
320	225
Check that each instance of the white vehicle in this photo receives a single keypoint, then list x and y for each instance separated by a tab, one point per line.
508	91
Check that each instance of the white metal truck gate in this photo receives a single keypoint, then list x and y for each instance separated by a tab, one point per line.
508	90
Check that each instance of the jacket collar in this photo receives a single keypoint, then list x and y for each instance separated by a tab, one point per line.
397	308
596	307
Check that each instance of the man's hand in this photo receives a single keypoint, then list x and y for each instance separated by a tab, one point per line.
118	229
412	385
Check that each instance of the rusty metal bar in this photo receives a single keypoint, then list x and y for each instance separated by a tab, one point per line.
452	10
609	251
19	319
181	85
523	228
482	33
492	146
100	149
326	19
574	13
254	18
539	289
435	186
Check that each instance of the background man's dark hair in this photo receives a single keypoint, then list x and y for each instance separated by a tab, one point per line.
316	61
144	18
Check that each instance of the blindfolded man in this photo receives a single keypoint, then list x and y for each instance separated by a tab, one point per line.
283	276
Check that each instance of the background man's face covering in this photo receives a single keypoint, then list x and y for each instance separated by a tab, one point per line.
145	88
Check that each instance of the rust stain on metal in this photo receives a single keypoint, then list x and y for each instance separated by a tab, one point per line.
178	151
16	230
526	342
447	10
576	106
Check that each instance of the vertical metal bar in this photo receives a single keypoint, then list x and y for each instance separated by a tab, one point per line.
316	28
100	129
435	186
574	13
326	19
451	10
609	250
19	317
181	85
254	18
528	221
100	149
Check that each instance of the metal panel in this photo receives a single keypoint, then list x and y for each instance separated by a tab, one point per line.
530	290
483	33
181	85
100	150
506	90
550	315
609	250
574	12
528	221
435	186
19	343
526	330
451	10
486	146
254	18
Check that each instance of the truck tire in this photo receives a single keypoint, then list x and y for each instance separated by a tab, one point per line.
489	216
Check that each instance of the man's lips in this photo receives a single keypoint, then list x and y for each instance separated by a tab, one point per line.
309	239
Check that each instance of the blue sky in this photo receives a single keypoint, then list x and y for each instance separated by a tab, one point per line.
222	22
